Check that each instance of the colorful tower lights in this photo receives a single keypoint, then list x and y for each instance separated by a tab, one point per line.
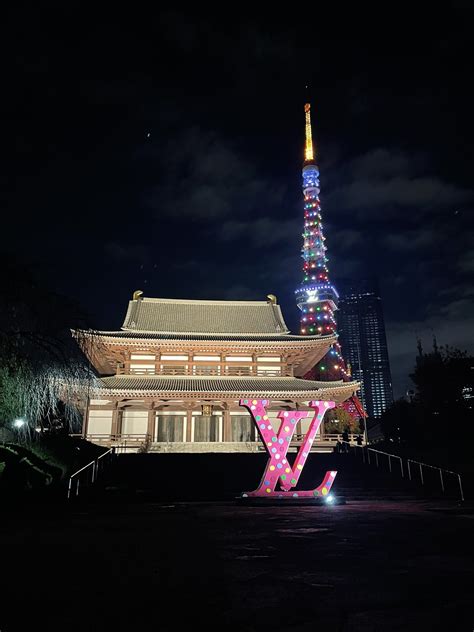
316	297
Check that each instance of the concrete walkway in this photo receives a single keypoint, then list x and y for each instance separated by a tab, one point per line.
367	565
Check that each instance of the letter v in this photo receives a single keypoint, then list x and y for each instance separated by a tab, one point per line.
276	445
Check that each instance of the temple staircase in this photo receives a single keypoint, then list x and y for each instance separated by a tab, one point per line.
223	477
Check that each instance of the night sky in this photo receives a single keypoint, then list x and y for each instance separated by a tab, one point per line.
163	152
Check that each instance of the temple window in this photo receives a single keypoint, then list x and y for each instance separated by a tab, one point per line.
174	364
240	365
142	369
206	369
264	368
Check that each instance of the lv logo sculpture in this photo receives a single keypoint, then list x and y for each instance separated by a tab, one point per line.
278	471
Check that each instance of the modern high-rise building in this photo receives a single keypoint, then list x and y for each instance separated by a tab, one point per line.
362	336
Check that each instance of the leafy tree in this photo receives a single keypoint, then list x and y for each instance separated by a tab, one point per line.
443	401
338	419
43	374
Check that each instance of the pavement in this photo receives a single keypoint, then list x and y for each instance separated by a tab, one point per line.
133	564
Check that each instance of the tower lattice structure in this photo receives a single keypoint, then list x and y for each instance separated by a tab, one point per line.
316	297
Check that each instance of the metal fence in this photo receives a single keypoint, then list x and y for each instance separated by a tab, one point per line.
445	476
412	468
89	473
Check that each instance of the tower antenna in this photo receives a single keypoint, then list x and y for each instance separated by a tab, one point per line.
308	150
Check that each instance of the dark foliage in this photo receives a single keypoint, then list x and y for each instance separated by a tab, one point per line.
40	363
443	403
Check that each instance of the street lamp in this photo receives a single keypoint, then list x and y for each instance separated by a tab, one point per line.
19	423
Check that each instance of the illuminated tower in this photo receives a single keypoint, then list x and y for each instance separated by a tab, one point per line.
316	297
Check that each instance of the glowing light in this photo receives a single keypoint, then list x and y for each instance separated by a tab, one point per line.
308	152
19	423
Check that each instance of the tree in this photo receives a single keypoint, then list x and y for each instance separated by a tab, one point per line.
43	373
338	419
401	421
443	401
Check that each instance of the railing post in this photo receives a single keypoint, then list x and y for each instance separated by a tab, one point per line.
441	477
77	487
421	475
460	488
409	470
377	459
69	487
368	455
389	463
401	468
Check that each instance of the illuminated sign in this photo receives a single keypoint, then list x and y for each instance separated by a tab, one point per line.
278	470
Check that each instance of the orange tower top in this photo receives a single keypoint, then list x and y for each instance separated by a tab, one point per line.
308	150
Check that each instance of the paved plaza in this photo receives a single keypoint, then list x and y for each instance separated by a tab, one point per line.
137	565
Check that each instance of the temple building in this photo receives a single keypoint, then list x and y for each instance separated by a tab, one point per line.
171	378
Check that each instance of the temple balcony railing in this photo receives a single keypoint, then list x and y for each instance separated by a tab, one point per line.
172	370
238	370
326	438
276	372
125	442
122	442
218	369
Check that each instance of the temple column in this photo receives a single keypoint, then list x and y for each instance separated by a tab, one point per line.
189	421
151	423
115	421
85	425
119	421
227	428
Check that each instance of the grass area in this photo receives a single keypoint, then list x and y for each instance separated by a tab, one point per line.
44	462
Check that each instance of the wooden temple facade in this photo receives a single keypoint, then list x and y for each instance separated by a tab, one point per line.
171	378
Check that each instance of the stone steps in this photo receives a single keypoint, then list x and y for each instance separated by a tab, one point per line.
225	476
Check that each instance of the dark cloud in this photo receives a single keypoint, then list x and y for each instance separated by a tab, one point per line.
263	232
126	251
382	197
412	239
203	177
163	152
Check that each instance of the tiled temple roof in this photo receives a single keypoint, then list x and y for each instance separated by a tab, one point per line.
226	387
186	337
173	316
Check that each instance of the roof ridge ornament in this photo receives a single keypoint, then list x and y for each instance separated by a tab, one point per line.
138	294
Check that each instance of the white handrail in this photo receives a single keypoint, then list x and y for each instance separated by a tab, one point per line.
94	464
419	463
441	470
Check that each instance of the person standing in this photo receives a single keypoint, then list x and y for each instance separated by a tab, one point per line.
345	439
